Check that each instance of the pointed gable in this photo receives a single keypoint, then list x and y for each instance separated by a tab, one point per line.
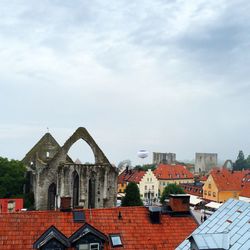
53	237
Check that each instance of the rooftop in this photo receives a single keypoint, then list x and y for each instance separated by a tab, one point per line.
168	172
227	180
131	175
227	228
22	230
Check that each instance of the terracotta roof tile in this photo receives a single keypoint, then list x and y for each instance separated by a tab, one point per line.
132	175
164	171
227	180
21	230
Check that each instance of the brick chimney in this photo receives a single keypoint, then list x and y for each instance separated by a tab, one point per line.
65	204
179	202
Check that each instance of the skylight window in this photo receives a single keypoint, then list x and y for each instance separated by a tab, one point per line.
115	240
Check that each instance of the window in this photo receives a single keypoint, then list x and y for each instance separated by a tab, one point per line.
148	179
209	193
94	246
146	187
153	187
214	194
115	240
209	185
91	246
205	192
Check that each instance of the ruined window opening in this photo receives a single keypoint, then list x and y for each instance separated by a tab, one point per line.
81	153
91	194
52	196
75	189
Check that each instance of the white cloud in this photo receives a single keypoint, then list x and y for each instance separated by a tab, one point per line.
162	75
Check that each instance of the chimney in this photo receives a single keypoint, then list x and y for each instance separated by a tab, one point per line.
179	202
65	204
155	214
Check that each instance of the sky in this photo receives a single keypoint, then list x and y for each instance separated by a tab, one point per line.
165	76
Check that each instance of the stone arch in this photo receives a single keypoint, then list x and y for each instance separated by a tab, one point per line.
228	164
52	196
82	133
76	188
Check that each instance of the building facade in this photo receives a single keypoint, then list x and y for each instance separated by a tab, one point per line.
166	158
223	184
146	181
52	175
168	174
204	162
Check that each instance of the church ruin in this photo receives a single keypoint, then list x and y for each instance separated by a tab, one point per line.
52	174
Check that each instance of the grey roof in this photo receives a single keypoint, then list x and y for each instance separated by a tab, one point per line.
227	228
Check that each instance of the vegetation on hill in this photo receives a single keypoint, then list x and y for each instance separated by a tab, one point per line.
241	162
171	189
132	196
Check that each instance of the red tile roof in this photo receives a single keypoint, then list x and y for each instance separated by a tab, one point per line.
21	230
227	180
168	172
193	189
132	175
245	192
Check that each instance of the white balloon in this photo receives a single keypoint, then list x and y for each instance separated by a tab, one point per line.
142	153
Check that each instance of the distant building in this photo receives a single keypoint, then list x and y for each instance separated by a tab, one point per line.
204	162
165	158
167	174
224	184
227	228
11	205
193	188
98	229
146	181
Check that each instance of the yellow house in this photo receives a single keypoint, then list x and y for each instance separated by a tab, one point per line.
167	174
223	184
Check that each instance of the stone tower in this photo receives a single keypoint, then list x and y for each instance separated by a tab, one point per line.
52	175
204	162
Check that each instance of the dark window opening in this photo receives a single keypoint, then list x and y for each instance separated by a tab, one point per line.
75	189
91	194
52	196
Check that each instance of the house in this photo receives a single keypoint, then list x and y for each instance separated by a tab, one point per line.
11	205
146	181
227	228
96	229
223	184
167	174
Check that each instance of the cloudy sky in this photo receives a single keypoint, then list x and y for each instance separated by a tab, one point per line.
167	76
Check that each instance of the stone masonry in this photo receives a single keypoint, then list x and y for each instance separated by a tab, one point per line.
52	174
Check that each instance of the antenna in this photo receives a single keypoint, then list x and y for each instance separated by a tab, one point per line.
47	129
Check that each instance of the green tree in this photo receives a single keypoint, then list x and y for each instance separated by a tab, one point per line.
132	196
241	162
12	178
171	189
